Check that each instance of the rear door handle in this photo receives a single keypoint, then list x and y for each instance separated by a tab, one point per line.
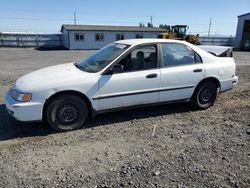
154	75
197	70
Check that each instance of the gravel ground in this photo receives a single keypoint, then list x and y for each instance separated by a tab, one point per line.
189	148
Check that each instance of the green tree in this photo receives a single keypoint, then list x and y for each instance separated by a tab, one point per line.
164	26
150	25
141	24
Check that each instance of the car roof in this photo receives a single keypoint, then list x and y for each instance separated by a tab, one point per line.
144	41
132	42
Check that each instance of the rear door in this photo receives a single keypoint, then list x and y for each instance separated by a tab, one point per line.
181	70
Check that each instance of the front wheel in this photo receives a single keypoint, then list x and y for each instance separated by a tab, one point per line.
67	112
204	95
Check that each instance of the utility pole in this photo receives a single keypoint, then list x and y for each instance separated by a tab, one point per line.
75	18
151	20
209	28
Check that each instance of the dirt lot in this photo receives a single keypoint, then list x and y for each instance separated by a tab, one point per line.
209	148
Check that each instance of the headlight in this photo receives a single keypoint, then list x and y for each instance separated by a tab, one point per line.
18	96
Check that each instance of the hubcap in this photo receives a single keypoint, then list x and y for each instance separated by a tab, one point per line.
67	113
206	95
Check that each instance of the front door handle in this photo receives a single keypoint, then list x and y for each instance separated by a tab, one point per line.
197	70
154	75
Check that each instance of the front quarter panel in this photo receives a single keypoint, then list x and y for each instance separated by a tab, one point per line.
88	87
85	83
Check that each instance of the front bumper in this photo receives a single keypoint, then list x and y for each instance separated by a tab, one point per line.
24	111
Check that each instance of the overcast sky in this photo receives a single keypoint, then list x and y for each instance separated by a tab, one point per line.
47	16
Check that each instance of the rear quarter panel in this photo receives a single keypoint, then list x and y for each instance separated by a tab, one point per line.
222	69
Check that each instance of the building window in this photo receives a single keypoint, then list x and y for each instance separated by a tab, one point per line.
79	36
99	37
119	36
138	36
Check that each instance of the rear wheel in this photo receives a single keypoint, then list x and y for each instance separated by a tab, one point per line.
67	112
205	95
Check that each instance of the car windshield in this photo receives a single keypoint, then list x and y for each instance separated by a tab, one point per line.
101	58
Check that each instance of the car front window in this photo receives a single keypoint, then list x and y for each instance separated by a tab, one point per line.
101	58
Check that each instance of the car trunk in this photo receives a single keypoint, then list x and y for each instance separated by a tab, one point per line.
219	51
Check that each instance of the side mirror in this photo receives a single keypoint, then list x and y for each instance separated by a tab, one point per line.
117	69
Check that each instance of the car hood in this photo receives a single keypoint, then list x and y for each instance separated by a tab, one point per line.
54	75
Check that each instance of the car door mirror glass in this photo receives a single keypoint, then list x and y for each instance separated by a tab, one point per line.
116	69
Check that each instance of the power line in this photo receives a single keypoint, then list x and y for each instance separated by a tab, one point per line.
87	13
85	18
65	19
103	14
82	19
36	19
80	14
68	19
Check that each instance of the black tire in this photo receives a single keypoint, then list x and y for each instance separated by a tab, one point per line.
67	112
204	95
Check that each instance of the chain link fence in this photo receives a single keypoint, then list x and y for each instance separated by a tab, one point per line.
218	41
30	40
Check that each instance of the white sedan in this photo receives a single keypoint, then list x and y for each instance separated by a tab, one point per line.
121	75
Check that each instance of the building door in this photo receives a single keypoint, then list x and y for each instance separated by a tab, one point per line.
246	30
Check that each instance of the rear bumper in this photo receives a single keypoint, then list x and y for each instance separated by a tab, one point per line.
235	81
228	84
24	111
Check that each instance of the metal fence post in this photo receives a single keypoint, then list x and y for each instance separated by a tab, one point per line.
36	41
1	38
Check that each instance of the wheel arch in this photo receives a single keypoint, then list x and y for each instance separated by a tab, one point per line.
81	95
211	79
193	98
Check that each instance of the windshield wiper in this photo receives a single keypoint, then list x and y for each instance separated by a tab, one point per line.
79	67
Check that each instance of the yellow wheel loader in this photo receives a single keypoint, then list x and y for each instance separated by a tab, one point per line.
179	32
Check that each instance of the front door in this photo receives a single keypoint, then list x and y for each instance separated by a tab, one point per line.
137	84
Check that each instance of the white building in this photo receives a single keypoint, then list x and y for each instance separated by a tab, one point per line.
95	36
243	29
